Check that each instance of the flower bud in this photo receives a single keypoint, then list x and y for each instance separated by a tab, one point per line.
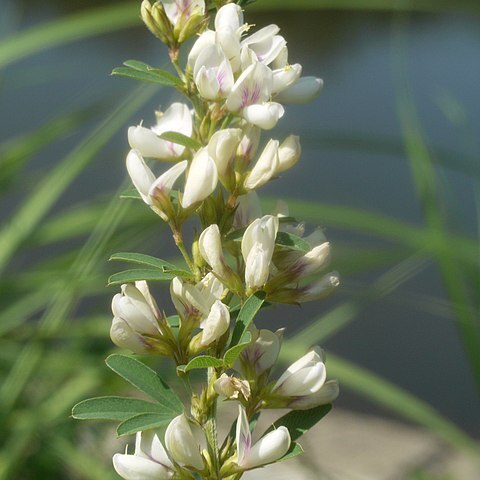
304	90
149	462
262	231
222	148
216	323
262	354
265	168
304	377
184	441
231	387
327	394
157	21
131	306
210	244
288	153
270	448
194	24
202	179
257	267
320	289
213	74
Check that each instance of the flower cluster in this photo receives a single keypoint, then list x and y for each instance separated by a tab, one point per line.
239	262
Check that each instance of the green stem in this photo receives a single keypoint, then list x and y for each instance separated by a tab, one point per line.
178	237
211	428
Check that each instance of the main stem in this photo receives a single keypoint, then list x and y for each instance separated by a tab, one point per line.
211	429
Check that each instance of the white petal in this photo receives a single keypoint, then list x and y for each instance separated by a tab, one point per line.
216	324
202	179
182	444
327	394
206	39
284	77
124	336
289	153
257	267
230	17
268	449
304	90
164	183
132	467
264	115
147	142
222	148
243	436
265	168
142	177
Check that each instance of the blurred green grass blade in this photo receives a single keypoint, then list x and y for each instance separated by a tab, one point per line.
388	395
417	238
59	178
426	183
16	152
340	316
385	147
67	29
80	463
387	5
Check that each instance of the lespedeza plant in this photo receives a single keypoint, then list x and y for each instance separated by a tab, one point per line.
240	261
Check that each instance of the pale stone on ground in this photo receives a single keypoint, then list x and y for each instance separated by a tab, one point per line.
352	446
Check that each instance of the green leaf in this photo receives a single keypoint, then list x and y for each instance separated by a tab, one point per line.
143	72
181	139
178	272
142	259
144	421
146	380
204	361
139	274
232	353
293	242
299	422
113	408
294	450
246	315
173	320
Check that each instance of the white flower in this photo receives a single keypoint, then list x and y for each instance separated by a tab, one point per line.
266	44
258	243
313	261
270	448
195	299
304	90
257	267
210	244
181	10
304	377
216	323
184	441
212	73
177	118
135	315
132	306
327	394
231	387
149	462
265	168
289	153
250	96
285	76
262	353
154	192
222	149
202	179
